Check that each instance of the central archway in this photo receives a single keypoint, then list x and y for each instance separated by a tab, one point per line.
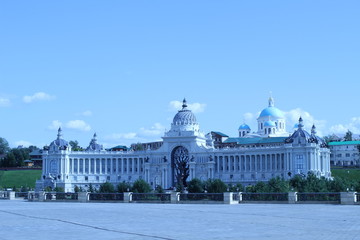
180	166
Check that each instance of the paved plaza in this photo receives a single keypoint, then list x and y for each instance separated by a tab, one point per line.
58	220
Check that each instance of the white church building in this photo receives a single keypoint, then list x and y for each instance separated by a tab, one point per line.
186	153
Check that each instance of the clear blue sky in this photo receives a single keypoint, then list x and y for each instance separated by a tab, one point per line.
115	67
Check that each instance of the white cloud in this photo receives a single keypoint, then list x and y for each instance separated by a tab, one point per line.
4	102
155	130
293	116
23	143
78	125
55	125
121	136
248	117
195	107
353	126
39	96
87	113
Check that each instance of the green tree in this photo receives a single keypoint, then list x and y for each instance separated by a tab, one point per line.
106	187
315	184
180	187
123	187
348	136
91	188
59	189
215	186
9	160
278	185
195	186
141	186
75	146
159	189
338	185
260	187
76	189
298	183
4	146
138	147
238	187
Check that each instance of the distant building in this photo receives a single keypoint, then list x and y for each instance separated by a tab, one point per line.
186	153
36	157
344	153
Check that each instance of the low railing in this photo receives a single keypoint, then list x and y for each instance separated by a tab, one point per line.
4	195
67	196
264	196
319	197
148	197
50	196
357	197
202	197
236	196
21	195
106	196
33	196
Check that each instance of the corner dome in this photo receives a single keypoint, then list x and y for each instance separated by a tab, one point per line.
94	146
184	116
59	143
244	127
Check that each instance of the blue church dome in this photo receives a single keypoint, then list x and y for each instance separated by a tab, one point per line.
272	112
269	124
244	127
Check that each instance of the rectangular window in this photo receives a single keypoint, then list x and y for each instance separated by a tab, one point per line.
109	165
71	164
114	165
347	155
86	165
75	165
92	165
102	165
299	163
97	166
81	170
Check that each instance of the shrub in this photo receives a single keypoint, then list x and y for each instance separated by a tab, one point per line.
123	187
106	188
141	186
195	186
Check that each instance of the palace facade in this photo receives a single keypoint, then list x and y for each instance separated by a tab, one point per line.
186	153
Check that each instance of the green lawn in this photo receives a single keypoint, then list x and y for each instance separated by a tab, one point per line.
19	178
347	173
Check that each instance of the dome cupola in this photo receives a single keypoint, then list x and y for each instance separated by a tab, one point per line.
272	121
59	143
94	146
184	116
184	121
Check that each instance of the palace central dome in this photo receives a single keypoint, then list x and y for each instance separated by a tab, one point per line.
184	116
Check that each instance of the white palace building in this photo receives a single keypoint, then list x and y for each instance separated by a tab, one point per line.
186	153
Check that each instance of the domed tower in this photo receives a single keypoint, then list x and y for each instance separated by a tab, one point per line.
271	121
244	129
59	143
94	146
184	120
